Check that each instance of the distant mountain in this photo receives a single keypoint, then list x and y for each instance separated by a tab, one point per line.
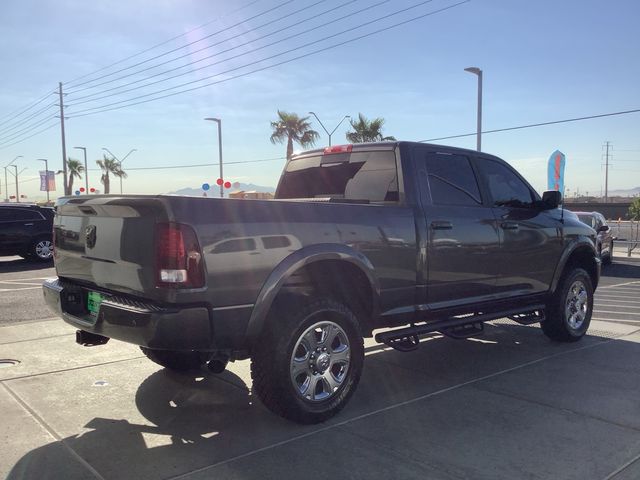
625	193
247	187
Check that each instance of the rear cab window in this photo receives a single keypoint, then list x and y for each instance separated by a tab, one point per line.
452	180
358	176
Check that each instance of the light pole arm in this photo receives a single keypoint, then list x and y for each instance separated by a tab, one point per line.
343	119
321	124
110	153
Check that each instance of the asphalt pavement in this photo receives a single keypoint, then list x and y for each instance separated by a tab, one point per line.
510	404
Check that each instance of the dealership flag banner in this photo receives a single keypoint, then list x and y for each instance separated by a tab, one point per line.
555	172
48	177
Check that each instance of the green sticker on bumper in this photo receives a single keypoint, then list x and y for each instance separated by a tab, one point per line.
94	299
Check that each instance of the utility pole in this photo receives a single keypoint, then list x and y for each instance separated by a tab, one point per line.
606	174
64	143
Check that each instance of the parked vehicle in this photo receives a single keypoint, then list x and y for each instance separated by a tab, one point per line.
26	230
604	238
409	237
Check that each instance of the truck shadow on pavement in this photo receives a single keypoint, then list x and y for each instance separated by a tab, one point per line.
622	268
23	265
188	422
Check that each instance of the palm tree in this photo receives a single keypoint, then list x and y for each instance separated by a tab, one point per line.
109	165
367	130
74	170
292	128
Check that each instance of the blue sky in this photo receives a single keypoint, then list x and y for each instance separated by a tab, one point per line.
542	61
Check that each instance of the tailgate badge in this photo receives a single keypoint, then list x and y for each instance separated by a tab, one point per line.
90	236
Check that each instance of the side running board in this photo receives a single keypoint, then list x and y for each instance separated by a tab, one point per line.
407	339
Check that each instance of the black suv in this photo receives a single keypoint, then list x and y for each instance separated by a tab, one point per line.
25	230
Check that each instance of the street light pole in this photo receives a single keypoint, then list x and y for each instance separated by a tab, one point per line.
6	186
478	72
323	127
120	161
219	122
86	171
125	157
46	175
16	177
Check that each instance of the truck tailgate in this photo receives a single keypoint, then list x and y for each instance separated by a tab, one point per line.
108	242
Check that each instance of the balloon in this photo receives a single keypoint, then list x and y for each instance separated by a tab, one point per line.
92	189
219	181
227	184
82	189
77	192
205	186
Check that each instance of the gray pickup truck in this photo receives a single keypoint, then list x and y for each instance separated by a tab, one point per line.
404	237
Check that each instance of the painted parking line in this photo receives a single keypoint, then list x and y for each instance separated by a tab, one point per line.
615	320
629	289
633	316
19	283
620	304
635	282
22	279
607	296
20	289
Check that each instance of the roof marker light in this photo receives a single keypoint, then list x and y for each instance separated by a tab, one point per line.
338	149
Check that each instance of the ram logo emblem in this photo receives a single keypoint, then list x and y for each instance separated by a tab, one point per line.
90	236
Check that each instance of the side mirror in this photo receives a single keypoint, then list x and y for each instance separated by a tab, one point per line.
603	228
551	199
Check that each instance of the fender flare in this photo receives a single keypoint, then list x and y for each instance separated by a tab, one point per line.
301	258
575	244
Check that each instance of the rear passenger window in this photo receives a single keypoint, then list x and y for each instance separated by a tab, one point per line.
6	215
27	215
452	181
277	241
507	189
235	245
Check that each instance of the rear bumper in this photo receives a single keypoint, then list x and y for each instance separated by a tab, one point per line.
149	325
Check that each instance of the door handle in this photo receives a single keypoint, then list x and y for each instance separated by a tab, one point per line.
509	226
28	224
441	225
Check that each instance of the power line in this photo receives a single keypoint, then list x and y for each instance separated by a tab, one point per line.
25	130
577	119
2	147
14	115
227	59
101	69
200	164
280	30
103	108
26	119
264	12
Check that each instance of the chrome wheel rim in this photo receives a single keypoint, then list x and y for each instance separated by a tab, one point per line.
44	249
577	305
320	361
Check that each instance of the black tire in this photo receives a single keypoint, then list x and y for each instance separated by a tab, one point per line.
568	314
609	258
322	334
41	250
173	360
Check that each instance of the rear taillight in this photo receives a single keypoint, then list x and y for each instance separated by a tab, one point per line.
178	257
